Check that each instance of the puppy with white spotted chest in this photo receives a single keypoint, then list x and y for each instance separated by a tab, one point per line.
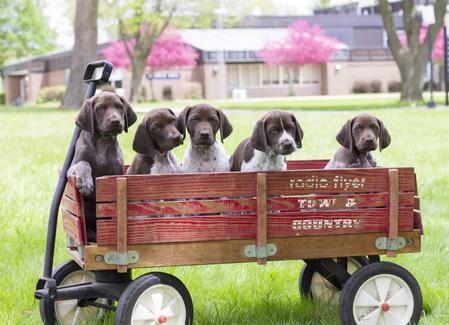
204	153
275	135
155	137
358	138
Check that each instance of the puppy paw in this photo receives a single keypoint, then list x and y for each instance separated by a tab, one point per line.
84	184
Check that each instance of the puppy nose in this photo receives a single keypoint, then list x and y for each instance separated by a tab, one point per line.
175	137
369	141
115	121
204	133
287	144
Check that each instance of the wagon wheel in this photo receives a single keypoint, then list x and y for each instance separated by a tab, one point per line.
68	311
155	298
381	293
314	285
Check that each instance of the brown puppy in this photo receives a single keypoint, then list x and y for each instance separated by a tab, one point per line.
155	137
358	137
275	135
97	152
204	153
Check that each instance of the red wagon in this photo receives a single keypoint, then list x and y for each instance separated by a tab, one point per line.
339	221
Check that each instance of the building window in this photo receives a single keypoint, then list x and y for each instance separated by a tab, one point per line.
250	74
310	74
233	75
294	74
270	74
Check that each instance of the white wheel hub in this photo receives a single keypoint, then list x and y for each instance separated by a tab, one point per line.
68	312
383	299
159	304
324	291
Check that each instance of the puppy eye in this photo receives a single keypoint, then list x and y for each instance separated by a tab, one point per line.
156	126
374	126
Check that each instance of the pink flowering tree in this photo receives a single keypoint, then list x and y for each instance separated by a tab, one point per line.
303	45
169	51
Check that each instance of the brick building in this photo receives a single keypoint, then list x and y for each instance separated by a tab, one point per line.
229	66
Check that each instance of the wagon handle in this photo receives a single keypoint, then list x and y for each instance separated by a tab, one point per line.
96	73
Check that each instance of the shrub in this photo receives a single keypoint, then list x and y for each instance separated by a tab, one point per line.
2	99
51	94
375	86
167	93
360	87
394	86
427	84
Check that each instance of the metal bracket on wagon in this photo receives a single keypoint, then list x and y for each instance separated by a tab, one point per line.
119	258
260	251
391	244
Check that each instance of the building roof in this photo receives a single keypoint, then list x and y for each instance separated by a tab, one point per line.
233	39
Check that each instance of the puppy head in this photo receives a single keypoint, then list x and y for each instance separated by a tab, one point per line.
203	122
363	133
107	114
277	131
157	131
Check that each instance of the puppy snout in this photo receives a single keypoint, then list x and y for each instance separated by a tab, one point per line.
115	122
204	133
369	142
176	138
287	144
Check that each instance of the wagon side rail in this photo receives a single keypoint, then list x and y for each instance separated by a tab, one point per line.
219	217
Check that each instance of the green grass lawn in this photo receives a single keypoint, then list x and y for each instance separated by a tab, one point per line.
33	144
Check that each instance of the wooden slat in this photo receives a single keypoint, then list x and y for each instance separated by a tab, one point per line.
227	205
336	202
70	189
306	164
393	208
161	207
71	206
336	181
338	222
227	227
122	221
231	251
177	229
261	234
72	226
157	187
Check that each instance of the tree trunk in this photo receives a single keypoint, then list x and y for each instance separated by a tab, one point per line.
412	58
153	94
290	81
84	51
138	67
412	76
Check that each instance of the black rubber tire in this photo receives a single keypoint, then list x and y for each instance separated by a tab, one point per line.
307	272
365	273
138	286
60	272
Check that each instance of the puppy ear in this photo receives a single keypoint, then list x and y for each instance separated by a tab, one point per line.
299	133
85	119
181	121
171	112
259	137
344	137
143	143
225	125
130	115
384	136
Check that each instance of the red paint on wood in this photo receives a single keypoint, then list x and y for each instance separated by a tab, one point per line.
306	164
72	226
225	227
156	187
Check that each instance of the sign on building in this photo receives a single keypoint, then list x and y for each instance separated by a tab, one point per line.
167	75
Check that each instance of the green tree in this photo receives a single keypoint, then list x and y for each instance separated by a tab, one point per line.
23	30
